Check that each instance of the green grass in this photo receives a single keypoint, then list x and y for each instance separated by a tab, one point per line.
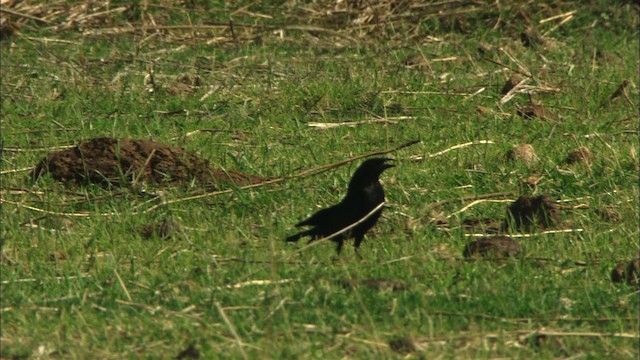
80	287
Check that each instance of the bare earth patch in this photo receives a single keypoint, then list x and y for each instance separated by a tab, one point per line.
627	271
527	213
119	162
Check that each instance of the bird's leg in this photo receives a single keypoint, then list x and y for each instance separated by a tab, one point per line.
356	246
358	241
339	246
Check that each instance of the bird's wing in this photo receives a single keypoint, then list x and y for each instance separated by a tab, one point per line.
323	216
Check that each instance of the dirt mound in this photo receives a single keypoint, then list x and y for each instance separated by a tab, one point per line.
528	213
580	155
524	153
402	345
119	162
627	271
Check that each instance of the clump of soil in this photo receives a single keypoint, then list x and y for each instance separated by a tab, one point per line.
527	213
381	284
402	345
533	111
164	229
514	80
524	153
608	213
496	247
621	91
581	155
7	28
191	352
532	39
628	272
119	162
544	341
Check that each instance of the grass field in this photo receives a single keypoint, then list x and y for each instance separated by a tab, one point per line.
274	90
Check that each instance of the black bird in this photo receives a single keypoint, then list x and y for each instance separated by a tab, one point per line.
365	193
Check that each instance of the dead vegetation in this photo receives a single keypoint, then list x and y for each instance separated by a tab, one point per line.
524	153
342	21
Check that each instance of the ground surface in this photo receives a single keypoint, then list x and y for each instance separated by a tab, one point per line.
189	137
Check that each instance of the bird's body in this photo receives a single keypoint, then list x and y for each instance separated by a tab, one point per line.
364	194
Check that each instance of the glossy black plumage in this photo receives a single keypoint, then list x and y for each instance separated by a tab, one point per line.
364	194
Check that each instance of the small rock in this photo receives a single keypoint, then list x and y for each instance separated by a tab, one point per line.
580	155
164	229
189	353
514	80
402	345
524	153
628	272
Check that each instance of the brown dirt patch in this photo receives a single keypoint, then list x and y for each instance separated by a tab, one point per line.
524	153
120	162
496	247
628	272
165	229
191	352
533	111
402	345
514	80
527	213
581	155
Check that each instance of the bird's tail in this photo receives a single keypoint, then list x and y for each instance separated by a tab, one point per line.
296	237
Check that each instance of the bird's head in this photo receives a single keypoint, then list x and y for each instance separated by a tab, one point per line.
371	169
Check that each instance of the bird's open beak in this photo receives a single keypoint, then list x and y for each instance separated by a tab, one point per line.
386	166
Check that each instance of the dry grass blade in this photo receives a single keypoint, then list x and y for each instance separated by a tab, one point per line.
343	230
476	202
585	334
232	328
23	15
124	287
254	282
308	172
49	149
547	232
474	197
83	214
146	163
513	91
55	278
13	171
459	146
389	120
